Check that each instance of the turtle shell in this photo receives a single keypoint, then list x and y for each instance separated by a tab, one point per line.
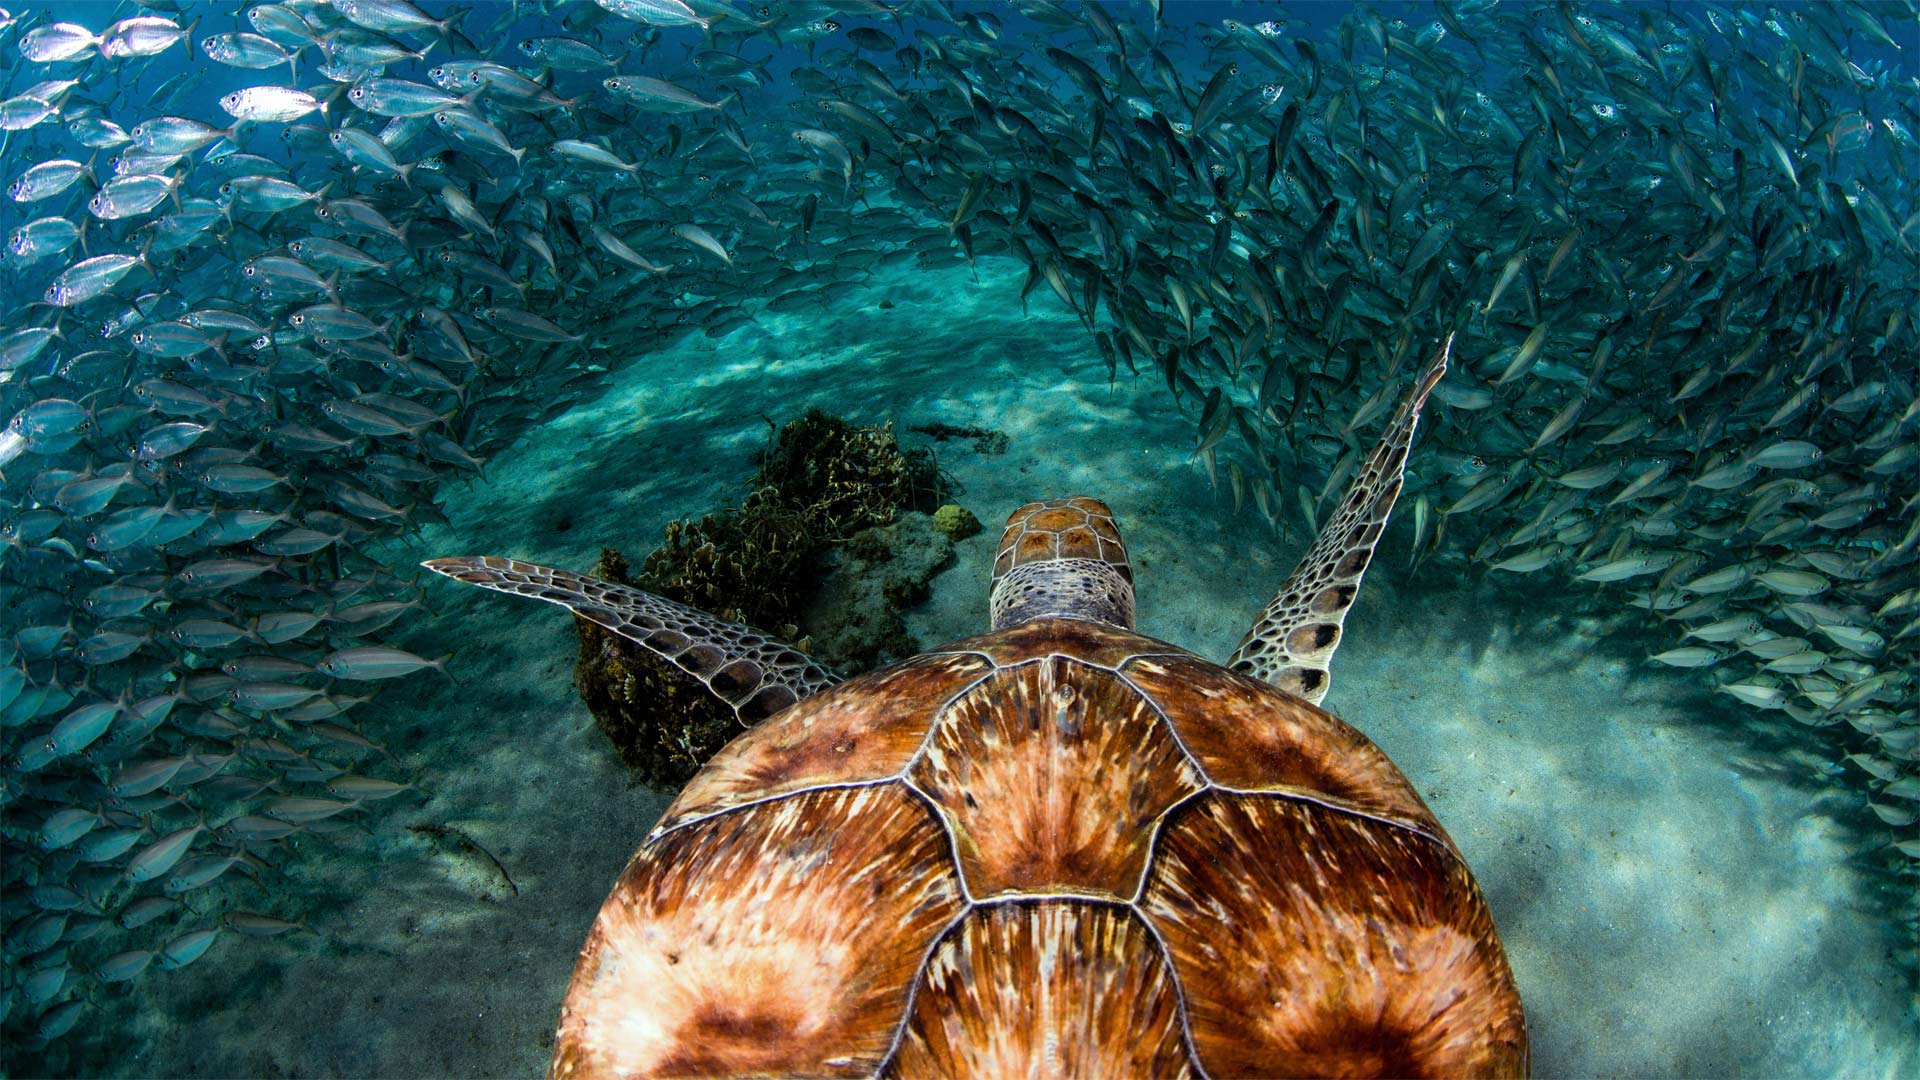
1061	847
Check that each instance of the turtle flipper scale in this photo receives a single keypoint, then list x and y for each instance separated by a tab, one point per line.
752	671
1293	640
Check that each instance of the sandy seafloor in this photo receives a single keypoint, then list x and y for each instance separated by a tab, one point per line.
1679	885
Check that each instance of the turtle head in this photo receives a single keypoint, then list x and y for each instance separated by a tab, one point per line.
1062	558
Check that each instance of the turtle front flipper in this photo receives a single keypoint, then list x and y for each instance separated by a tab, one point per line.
1294	638
752	671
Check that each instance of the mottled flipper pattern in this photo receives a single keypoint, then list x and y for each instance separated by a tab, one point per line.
1294	638
754	672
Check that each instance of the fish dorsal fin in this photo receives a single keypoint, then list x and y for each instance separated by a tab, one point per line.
752	671
1294	638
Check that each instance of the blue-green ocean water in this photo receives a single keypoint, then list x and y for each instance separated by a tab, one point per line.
1180	256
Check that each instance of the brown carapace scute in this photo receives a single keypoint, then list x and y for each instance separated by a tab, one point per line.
1060	849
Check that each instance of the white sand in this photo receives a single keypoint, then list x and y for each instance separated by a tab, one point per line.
1672	879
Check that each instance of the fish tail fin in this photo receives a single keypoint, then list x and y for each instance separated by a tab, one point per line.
450	27
187	36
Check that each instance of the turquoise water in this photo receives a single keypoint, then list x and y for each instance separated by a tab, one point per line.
1687	883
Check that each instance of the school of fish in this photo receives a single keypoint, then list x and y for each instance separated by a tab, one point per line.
273	275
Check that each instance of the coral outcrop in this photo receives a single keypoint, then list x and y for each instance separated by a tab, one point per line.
832	540
955	522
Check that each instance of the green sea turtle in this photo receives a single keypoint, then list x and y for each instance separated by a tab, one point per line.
1061	848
